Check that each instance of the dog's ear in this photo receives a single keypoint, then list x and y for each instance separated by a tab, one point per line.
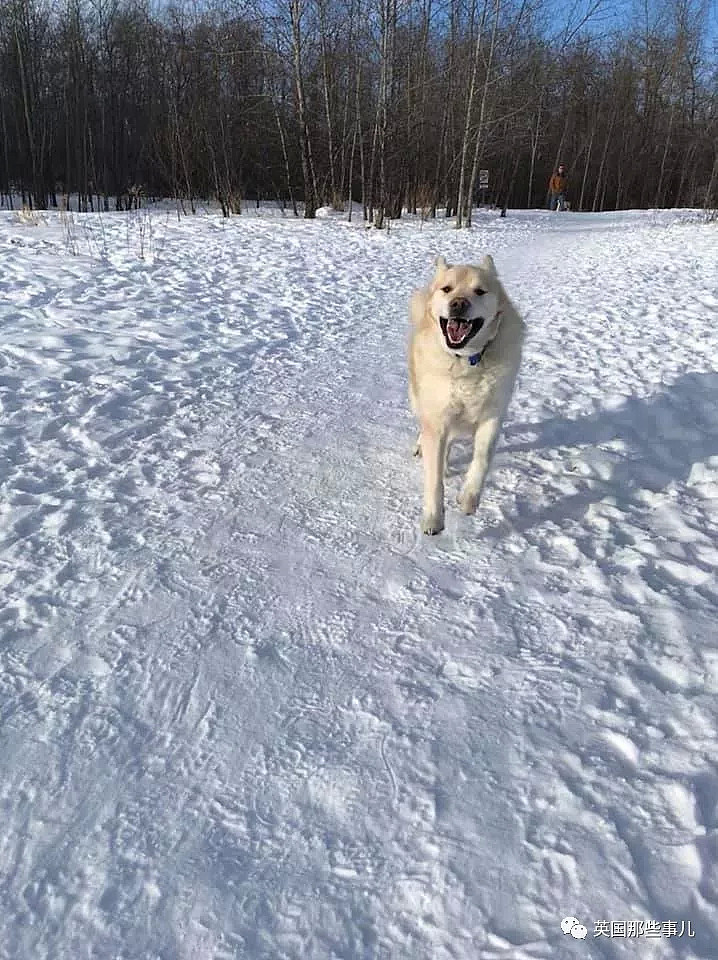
488	265
440	265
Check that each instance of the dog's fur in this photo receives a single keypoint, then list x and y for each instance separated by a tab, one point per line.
449	395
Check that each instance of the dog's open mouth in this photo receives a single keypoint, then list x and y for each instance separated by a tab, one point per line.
457	332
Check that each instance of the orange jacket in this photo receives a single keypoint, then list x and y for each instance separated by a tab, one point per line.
558	183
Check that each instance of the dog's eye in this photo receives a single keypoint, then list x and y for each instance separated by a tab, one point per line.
479	292
446	289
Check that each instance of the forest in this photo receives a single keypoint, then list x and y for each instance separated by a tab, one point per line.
396	105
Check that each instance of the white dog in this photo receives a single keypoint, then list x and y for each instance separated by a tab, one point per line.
464	354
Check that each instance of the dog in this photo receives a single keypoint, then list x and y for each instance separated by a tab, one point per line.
465	345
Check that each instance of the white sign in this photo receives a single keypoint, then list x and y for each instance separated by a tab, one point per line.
483	178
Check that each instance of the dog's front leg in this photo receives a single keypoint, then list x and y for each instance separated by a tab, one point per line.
433	449
487	433
416	452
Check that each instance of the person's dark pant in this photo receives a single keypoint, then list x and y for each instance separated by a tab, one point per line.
555	199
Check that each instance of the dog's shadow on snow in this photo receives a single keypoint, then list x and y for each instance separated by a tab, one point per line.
643	444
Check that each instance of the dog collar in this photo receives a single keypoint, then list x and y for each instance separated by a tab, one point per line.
475	358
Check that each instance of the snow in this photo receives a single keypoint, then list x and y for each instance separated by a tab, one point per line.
248	710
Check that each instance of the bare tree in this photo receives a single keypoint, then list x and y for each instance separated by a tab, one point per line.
310	189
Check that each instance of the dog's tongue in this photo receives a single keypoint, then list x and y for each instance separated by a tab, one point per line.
457	330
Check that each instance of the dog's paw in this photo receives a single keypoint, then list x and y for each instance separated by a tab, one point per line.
416	449
432	523
468	501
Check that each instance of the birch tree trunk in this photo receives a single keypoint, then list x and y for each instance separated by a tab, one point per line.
482	112
334	196
310	195
467	119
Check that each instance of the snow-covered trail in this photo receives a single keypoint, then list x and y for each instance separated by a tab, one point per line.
246	709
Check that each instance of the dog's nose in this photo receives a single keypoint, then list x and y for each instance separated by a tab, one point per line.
458	305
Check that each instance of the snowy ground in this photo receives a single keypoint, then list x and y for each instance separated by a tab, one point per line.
246	709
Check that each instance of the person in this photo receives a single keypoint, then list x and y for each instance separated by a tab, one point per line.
557	186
